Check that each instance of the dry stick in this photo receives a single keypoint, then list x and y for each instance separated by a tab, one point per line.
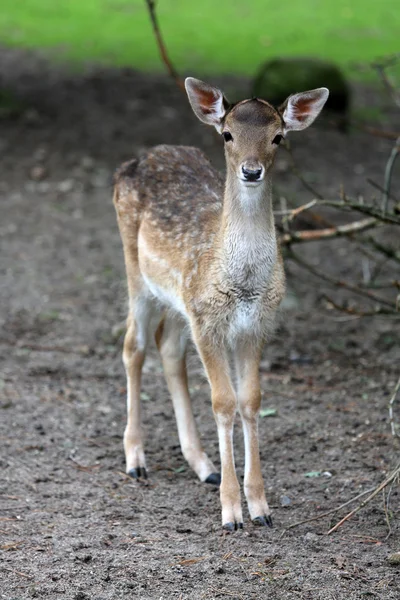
391	404
389	252
290	214
390	88
16	572
387	135
161	47
319	234
386	511
380	487
380	188
340	283
379	310
327	513
388	175
350	206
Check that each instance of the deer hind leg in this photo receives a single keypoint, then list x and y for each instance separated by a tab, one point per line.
247	359
171	339
133	357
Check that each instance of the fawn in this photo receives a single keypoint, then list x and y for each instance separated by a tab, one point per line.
202	261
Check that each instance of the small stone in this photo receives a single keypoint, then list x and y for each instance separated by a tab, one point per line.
394	559
310	538
285	501
38	173
65	186
326	474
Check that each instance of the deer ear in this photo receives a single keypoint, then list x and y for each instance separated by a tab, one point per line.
300	110
208	103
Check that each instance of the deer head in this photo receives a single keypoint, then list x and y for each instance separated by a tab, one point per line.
252	129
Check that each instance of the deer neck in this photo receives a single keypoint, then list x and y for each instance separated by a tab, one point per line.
247	234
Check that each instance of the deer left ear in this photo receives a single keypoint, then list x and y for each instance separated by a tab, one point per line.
208	103
300	110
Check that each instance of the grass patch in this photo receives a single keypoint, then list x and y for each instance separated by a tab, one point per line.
228	36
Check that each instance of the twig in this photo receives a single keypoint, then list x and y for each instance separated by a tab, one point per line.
296	211
378	310
387	135
319	234
161	46
349	205
391	404
388	175
16	572
327	513
380	188
380	487
341	283
380	68
389	252
285	223
386	511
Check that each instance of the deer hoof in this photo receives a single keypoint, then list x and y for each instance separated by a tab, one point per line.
232	526
263	521
138	473
214	479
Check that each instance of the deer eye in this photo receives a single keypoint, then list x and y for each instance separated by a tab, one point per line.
227	136
277	139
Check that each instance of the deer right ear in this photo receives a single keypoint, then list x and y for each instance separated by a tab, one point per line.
300	110
208	103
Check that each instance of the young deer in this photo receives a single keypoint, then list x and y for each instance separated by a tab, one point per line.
202	260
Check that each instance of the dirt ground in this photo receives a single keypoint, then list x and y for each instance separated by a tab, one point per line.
72	525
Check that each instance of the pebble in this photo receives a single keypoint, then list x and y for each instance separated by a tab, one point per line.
310	538
285	501
38	173
394	559
66	186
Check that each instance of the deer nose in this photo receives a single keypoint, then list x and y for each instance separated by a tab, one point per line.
251	174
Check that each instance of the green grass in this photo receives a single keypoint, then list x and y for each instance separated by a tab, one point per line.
206	36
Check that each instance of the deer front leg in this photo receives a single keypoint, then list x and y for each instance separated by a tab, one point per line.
247	359
224	406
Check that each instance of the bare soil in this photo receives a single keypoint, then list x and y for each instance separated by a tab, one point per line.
72	524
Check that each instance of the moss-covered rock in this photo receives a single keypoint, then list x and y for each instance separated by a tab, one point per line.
280	77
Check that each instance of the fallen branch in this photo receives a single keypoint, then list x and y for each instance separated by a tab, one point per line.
332	232
350	206
380	188
326	513
341	283
378	489
387	135
378	310
16	572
